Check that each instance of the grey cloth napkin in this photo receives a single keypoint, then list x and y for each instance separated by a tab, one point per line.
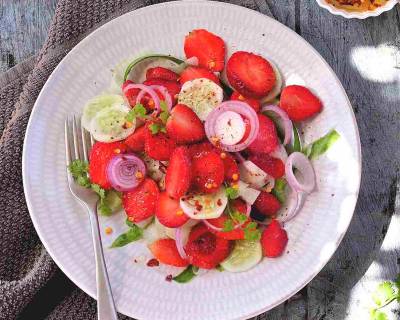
31	285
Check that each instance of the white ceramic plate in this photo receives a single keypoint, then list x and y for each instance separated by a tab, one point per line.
142	292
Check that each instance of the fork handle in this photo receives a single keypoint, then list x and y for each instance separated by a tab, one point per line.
105	301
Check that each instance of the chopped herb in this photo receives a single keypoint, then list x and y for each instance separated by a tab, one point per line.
228	225
156	128
164	115
129	223
133	234
220	268
231	193
238	216
185	276
320	146
138	111
279	190
251	232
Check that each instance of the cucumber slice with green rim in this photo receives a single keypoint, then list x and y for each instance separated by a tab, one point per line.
96	104
108	124
244	256
149	56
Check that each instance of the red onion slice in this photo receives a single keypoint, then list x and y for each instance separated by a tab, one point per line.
167	97
125	172
146	89
230	128
211	226
306	180
287	123
296	203
180	242
241	108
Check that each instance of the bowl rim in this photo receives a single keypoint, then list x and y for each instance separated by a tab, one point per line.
357	15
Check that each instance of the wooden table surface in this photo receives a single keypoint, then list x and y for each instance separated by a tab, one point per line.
365	55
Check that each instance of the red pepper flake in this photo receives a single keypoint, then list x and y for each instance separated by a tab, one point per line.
135	261
168	278
153	263
219	202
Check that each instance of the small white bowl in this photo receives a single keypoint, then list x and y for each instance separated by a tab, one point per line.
357	15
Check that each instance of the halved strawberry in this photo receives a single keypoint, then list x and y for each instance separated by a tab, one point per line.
99	157
173	87
192	72
177	179
207	47
161	73
158	146
207	172
274	240
135	141
254	103
184	126
196	150
140	203
169	212
250	74
235	234
273	166
205	249
267	204
267	138
231	169
130	94
165	251
299	103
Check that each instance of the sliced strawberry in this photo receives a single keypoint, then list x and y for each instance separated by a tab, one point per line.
99	157
173	87
231	169
267	138
250	74
140	203
135	141
299	103
235	234
205	249
161	73
267	204
207	47
196	150
274	240
130	94
191	73
177	179
184	126
165	251
273	166
169	212
158	146
207	172
254	103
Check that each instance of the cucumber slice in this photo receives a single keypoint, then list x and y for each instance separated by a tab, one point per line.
96	104
113	201
108	124
201	95
276	90
244	256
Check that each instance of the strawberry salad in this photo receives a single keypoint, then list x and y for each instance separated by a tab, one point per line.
204	154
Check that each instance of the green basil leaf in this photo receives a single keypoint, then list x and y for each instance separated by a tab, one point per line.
320	146
133	234
185	276
279	190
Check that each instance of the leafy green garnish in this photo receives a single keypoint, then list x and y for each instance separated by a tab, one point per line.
133	234
138	111
320	146
385	293
164	114
79	171
155	128
129	223
238	216
186	275
279	190
228	225
251	232
295	145
220	268
231	193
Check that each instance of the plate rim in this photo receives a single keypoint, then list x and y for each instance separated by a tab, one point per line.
25	178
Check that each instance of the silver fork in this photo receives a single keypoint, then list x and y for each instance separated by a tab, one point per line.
77	146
